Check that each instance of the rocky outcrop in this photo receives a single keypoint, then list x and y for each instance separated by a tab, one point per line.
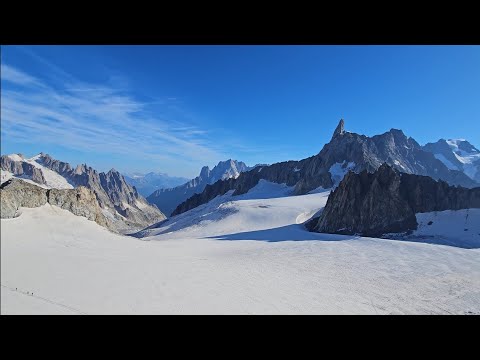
15	193
58	166
115	195
345	150
129	210
168	199
22	169
386	201
80	201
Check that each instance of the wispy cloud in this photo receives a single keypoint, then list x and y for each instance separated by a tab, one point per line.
17	77
98	118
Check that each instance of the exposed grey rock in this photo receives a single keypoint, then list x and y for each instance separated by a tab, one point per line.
168	199
366	153
129	210
339	130
22	169
15	193
58	166
386	201
80	201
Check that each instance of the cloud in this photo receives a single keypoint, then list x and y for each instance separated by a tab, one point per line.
100	118
17	77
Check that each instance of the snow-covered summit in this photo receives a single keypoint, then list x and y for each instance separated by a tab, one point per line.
457	154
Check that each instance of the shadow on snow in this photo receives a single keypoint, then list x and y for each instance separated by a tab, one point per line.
297	232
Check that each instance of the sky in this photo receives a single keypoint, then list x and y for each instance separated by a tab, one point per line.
174	109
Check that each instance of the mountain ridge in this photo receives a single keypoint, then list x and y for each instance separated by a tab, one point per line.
345	151
168	199
120	202
147	183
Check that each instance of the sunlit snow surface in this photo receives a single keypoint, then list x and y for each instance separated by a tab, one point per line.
247	254
339	170
52	179
469	160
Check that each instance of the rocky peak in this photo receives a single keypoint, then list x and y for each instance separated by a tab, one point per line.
339	130
205	172
112	173
80	169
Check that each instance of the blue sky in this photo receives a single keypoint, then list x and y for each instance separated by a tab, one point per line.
176	108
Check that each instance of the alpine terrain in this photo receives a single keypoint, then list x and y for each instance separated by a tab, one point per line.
148	183
168	199
345	152
121	205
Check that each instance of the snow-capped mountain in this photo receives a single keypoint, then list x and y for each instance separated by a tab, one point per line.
457	154
345	151
120	203
148	183
168	199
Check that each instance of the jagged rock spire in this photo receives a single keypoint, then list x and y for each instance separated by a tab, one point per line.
339	130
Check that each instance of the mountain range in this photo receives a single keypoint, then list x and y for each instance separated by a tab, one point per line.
345	152
456	162
146	184
168	199
120	203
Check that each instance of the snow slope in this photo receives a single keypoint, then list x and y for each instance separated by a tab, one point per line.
456	228
217	265
469	159
52	179
5	175
466	155
339	170
265	206
445	161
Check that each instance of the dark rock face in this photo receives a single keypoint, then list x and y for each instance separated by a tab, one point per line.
168	199
362	152
386	201
80	201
